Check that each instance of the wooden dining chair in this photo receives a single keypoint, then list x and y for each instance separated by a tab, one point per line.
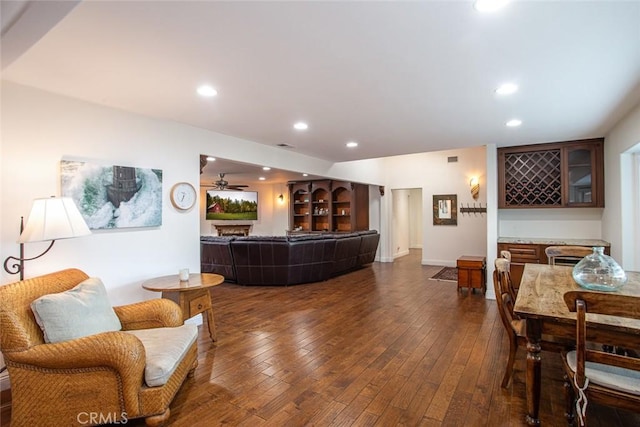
594	375
515	326
566	255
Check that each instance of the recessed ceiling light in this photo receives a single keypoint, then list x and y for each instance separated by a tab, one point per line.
507	89
301	126
266	168
206	90
514	123
489	5
352	144
262	178
211	159
305	174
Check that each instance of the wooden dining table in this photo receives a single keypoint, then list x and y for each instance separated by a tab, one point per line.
540	301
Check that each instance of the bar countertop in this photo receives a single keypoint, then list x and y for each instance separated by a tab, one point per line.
552	241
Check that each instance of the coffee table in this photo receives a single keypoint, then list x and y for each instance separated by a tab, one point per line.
192	296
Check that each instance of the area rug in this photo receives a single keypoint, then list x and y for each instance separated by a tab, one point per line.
449	274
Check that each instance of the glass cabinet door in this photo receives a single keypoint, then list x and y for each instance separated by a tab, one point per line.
580	170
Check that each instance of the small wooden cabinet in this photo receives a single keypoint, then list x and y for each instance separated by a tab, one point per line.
563	174
472	273
328	206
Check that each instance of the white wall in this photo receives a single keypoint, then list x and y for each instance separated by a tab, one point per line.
415	218
375	212
492	215
618	221
558	223
434	175
39	129
407	220
636	192
400	221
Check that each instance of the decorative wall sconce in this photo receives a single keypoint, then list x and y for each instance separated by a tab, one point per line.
475	187
281	198
50	219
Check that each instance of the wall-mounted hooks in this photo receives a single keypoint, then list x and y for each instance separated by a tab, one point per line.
473	209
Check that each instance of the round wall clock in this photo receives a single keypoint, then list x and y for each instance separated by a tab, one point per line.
183	196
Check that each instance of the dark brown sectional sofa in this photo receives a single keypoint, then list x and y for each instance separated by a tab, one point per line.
287	260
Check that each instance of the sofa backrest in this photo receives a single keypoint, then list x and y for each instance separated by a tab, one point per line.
347	249
285	260
261	260
311	260
368	248
216	257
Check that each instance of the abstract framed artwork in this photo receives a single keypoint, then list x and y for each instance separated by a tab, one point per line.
113	196
445	209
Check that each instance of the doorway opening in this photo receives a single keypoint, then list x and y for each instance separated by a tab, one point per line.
407	221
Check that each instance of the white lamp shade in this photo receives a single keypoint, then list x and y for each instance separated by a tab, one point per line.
52	219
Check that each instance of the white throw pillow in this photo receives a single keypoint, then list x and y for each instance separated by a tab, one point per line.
78	312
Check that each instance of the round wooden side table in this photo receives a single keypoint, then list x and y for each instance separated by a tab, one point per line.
192	296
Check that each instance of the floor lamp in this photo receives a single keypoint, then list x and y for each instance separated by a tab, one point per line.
50	219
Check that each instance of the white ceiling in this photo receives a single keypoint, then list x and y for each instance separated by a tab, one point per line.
397	77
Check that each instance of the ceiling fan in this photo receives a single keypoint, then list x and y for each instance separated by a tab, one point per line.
223	184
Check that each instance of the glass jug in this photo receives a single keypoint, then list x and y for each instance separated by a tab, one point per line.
599	272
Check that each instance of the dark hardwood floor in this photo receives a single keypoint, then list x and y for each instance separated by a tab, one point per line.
381	346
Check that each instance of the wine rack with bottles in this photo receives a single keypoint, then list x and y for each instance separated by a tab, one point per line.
565	174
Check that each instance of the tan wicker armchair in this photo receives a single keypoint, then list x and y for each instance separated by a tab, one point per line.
101	375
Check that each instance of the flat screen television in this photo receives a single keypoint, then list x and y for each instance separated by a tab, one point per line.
231	205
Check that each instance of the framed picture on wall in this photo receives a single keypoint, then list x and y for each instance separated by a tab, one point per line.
111	196
445	209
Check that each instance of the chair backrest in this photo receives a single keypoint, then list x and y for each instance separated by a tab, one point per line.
503	267
600	303
18	326
505	295
566	255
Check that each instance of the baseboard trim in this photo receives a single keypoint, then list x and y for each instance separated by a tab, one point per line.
401	254
444	262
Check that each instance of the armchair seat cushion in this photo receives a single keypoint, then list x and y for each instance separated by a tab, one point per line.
614	377
165	348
